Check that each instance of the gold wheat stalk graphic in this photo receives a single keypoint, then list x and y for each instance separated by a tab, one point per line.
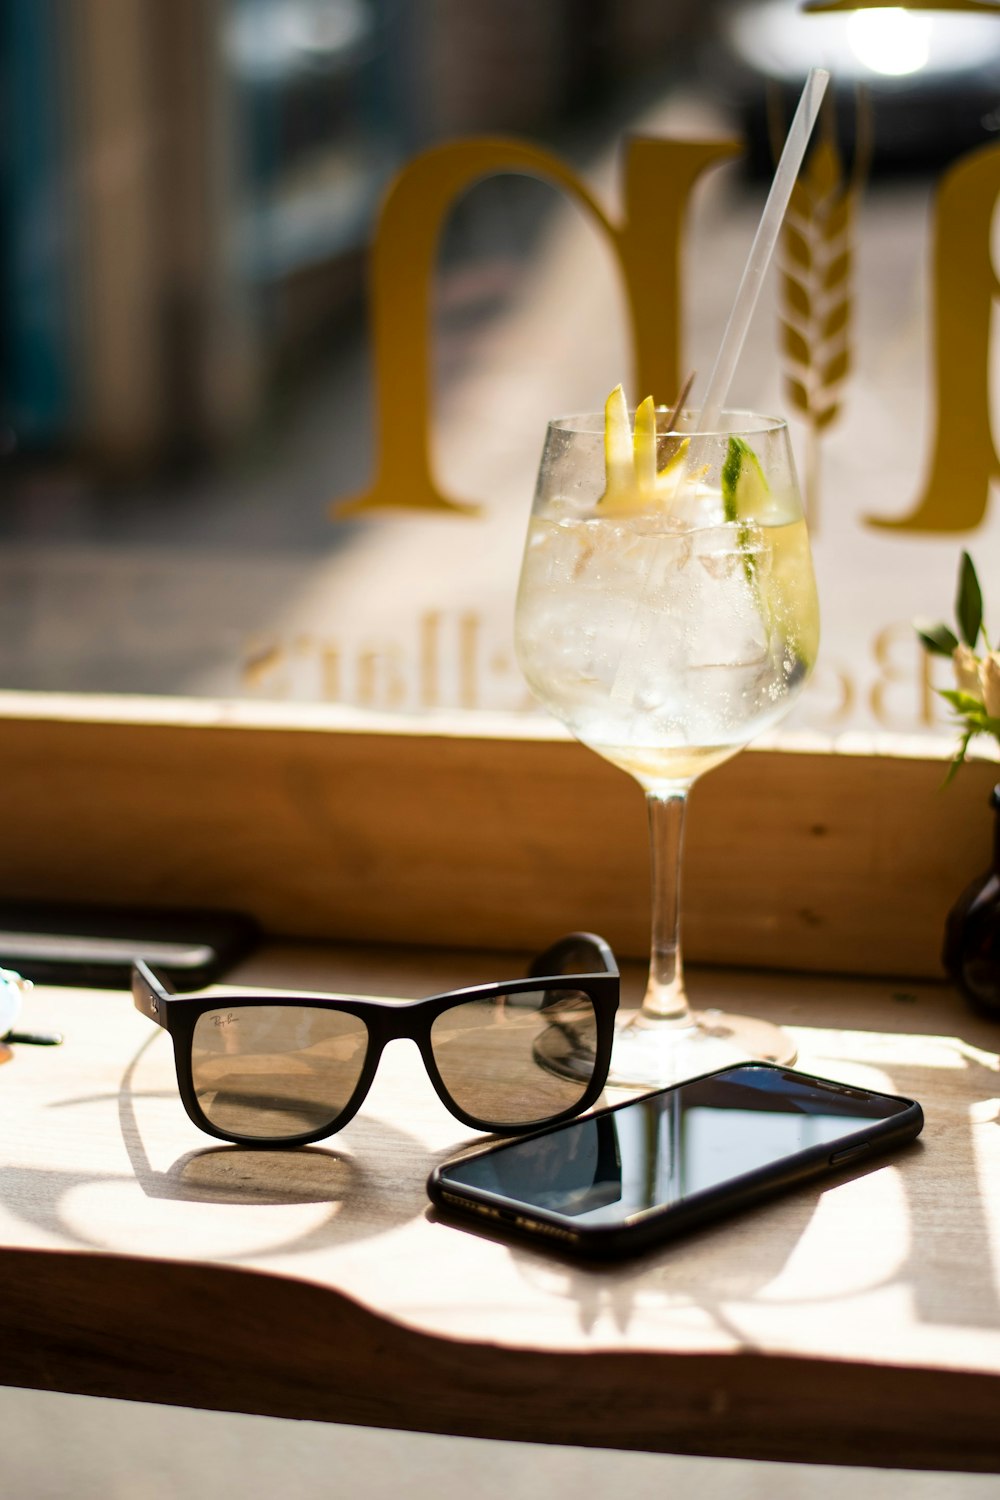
816	261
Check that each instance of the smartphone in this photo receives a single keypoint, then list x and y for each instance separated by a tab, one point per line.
96	946
626	1178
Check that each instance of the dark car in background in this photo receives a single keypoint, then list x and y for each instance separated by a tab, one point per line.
918	87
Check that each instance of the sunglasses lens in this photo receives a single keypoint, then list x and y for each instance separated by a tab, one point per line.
517	1059
271	1072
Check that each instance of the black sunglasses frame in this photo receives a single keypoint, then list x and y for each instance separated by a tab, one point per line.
387	1020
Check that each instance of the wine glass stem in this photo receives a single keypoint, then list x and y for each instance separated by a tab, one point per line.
665	998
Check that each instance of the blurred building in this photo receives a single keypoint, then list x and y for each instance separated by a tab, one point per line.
187	189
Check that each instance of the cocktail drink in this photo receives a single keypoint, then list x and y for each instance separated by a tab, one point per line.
667	614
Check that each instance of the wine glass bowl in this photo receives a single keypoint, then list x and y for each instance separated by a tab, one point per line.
667	619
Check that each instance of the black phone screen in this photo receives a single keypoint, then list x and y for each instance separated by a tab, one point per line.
658	1150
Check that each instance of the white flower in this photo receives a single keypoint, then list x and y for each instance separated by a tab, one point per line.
966	667
989	679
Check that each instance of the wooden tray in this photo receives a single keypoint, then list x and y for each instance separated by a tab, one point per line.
857	1321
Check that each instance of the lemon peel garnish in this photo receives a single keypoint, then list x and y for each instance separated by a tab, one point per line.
675	469
644	447
619	477
632	481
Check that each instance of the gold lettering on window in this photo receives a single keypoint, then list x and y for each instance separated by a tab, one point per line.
963	459
658	180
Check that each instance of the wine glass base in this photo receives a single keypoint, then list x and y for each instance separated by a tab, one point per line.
651	1054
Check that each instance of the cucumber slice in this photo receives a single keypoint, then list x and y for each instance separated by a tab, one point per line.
746	494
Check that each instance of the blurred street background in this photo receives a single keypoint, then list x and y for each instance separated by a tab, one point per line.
188	197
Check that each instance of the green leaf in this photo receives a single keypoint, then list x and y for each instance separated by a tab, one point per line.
969	603
963	703
936	638
959	758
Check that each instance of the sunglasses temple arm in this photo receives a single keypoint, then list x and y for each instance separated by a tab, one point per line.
149	993
577	947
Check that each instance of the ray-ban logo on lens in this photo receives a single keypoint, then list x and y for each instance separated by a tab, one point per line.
225	1020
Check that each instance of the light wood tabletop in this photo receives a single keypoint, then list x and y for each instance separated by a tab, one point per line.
855	1320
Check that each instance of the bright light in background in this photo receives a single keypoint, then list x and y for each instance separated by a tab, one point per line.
890	40
780	41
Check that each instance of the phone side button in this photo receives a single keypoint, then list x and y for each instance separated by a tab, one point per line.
849	1153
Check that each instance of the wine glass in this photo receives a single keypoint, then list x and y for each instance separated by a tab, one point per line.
667	614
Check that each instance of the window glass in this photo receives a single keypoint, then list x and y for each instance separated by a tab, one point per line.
251	446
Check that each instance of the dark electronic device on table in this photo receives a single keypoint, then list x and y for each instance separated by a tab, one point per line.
626	1178
90	945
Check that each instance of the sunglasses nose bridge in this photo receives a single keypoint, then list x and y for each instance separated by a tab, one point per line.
401	1022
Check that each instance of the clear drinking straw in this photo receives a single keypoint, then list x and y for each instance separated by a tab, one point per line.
762	248
761	251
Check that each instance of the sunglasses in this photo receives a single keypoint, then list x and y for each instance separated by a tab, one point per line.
505	1058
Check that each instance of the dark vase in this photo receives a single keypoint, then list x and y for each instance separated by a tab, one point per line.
971	953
